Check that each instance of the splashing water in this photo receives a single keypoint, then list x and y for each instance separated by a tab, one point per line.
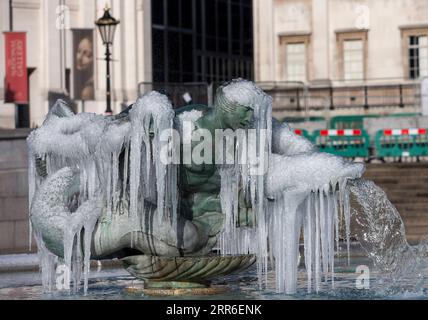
378	227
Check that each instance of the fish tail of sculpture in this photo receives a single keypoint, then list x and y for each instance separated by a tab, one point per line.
60	232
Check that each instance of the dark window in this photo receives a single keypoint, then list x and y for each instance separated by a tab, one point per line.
418	56
158	76
187	14
158	49
158	12
210	44
202	40
173	13
210	17
223	24
187	52
236	22
22	116
68	80
198	16
174	51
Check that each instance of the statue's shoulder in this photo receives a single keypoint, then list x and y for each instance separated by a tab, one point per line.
194	107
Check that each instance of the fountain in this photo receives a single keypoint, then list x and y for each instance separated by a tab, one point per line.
185	196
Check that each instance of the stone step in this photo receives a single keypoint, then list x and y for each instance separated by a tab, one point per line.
397	166
401	173
414	239
408	200
412	206
416	222
417	183
408	194
417	214
417	230
397	192
403	186
406	185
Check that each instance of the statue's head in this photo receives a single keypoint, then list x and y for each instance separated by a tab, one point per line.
235	103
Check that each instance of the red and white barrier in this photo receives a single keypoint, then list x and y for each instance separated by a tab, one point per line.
405	132
298	132
338	133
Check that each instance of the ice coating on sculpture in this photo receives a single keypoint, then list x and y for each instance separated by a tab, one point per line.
101	180
89	146
151	114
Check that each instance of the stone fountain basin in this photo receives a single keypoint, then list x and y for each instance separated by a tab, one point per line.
184	272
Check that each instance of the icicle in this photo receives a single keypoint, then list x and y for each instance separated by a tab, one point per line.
115	178
344	200
330	232
125	172
317	243
47	263
308	238
31	190
336	217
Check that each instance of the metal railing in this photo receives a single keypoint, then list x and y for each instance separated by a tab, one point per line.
180	94
301	97
344	95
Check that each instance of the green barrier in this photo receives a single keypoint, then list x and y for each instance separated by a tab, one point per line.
345	143
401	143
349	122
303	133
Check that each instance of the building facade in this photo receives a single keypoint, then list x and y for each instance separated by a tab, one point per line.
347	51
161	41
50	59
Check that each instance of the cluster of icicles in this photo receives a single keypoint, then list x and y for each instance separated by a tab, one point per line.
320	215
275	238
90	146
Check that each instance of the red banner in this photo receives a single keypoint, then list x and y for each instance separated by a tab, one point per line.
16	82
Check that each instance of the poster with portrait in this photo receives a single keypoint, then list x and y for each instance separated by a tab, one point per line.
83	64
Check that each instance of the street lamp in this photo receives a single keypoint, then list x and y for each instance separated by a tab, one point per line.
107	27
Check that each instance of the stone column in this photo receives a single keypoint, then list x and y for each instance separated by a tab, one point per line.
128	50
144	41
264	40
320	39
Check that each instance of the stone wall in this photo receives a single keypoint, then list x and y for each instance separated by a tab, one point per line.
14	231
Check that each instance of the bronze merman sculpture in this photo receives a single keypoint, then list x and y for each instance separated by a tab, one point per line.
98	183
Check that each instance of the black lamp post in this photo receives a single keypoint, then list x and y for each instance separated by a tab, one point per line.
107	26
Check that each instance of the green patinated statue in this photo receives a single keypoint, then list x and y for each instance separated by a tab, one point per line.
69	199
199	193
